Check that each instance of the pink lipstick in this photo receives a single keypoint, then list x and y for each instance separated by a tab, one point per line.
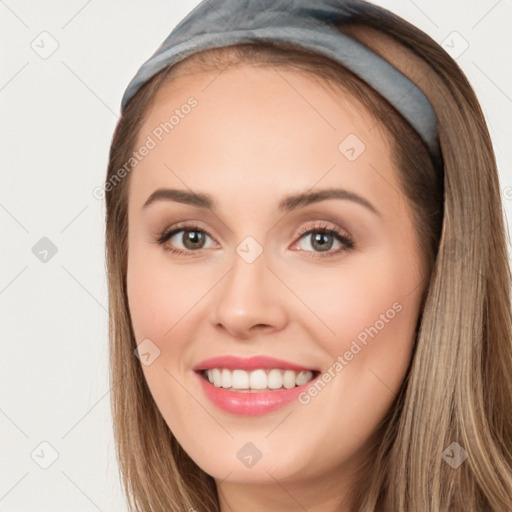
253	386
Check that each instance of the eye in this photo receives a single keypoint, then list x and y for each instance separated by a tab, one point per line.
187	238
321	238
191	237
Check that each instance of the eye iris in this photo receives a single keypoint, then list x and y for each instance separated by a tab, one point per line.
193	239
320	238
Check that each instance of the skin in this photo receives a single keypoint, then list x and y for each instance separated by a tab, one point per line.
256	136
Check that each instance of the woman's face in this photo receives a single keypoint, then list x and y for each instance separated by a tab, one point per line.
304	252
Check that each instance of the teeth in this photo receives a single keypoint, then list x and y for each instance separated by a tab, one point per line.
239	379
290	379
274	379
303	377
257	379
226	378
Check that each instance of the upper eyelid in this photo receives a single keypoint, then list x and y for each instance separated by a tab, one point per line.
195	225
175	229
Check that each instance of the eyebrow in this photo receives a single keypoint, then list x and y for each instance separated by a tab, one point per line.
288	204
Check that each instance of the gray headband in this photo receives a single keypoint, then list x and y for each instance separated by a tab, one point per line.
309	24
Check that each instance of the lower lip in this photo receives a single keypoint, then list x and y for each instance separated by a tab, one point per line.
251	403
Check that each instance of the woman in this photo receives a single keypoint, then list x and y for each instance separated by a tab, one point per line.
308	273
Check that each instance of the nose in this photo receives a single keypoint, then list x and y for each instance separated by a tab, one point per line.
247	301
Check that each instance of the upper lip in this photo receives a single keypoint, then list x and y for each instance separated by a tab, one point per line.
248	363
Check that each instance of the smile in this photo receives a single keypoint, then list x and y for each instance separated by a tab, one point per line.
252	386
259	379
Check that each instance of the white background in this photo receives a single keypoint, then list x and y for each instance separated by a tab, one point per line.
57	118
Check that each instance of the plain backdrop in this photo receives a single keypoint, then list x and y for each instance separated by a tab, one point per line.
64	67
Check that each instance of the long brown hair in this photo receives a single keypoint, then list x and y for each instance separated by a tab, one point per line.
459	385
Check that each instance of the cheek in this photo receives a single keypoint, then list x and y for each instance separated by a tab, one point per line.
163	302
368	330
160	294
376	287
367	314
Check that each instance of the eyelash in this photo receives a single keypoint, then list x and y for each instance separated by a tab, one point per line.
322	228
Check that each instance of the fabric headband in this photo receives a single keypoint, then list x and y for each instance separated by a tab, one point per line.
309	24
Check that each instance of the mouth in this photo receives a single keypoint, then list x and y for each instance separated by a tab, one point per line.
239	398
253	386
257	380
254	374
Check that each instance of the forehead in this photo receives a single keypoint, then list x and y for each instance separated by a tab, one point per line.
260	129
250	93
